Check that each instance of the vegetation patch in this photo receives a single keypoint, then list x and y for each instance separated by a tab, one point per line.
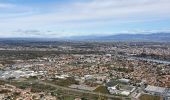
149	97
102	89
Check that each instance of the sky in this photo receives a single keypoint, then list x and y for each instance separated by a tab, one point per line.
64	18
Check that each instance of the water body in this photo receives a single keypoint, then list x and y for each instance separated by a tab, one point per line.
150	60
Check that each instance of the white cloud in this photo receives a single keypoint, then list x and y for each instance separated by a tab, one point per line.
6	5
103	10
85	15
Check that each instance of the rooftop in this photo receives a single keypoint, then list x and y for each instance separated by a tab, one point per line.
155	89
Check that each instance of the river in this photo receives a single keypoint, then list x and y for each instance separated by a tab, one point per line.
149	60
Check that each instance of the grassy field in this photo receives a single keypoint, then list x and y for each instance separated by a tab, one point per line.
149	97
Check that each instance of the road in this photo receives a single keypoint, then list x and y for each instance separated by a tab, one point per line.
76	90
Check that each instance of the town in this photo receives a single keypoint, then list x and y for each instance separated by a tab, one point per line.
67	70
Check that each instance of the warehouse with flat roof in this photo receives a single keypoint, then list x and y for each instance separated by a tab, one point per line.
155	90
159	91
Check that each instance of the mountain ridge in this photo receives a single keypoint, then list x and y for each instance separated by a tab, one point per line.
153	37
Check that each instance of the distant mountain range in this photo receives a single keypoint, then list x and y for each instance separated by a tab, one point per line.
154	37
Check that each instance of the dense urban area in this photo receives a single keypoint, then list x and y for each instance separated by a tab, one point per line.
68	70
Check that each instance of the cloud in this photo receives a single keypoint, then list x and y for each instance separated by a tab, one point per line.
86	15
98	10
6	5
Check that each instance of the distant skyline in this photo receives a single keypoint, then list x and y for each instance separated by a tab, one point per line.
64	18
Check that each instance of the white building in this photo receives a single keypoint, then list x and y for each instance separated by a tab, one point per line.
113	90
155	90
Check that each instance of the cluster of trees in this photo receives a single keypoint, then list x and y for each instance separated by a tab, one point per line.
65	82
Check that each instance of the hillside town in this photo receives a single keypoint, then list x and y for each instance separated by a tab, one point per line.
100	71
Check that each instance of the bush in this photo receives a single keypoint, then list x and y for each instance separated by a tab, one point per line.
102	89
